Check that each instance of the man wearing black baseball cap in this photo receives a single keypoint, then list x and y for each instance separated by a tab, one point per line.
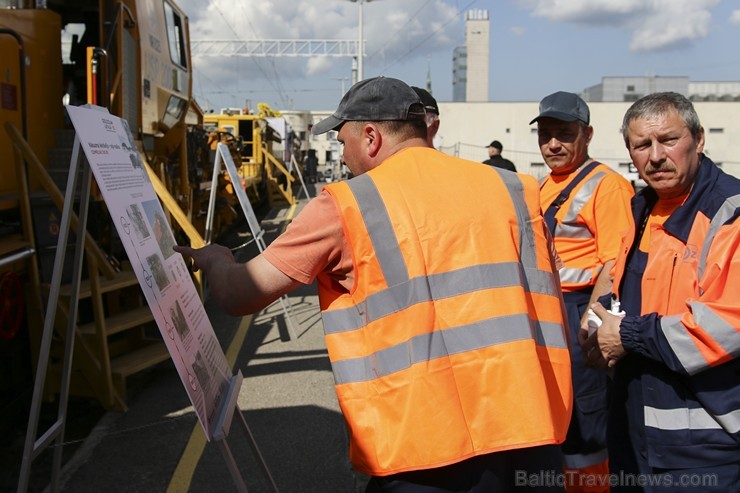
587	207
432	114
451	374
496	159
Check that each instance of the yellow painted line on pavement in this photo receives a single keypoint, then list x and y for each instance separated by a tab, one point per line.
183	475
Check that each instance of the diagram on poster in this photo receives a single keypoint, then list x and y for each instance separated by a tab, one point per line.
148	240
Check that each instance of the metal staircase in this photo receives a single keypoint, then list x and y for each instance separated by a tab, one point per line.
115	336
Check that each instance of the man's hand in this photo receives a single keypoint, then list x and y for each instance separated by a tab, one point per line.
204	258
603	347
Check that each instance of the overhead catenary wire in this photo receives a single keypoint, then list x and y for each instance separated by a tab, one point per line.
412	18
416	46
274	82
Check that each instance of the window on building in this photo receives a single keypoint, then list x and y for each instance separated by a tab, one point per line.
630	88
716	130
537	164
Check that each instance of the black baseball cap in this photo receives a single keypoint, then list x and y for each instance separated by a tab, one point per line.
376	99
496	144
564	106
430	104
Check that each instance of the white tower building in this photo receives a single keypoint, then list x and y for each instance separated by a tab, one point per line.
470	63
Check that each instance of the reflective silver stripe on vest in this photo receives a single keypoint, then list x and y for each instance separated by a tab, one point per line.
725	212
569	227
527	252
576	276
580	461
691	419
378	224
683	345
441	343
435	287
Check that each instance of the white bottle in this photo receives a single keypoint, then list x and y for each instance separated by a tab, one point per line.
594	321
617	309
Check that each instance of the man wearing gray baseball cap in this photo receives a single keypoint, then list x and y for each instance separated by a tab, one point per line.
377	99
587	207
450	373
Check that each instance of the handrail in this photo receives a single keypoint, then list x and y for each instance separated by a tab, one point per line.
196	240
95	57
112	91
287	192
277	164
91	246
121	6
169	203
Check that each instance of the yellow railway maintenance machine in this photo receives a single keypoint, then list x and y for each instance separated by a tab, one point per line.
133	57
252	139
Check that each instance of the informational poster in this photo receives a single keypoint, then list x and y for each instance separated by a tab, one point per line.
148	240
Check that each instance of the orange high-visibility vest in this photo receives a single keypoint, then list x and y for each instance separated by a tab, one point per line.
577	228
451	343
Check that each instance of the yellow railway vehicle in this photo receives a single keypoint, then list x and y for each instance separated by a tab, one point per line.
252	139
133	57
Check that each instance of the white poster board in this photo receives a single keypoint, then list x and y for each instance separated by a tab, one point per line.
148	240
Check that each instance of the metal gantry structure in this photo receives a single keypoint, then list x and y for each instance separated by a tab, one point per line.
275	47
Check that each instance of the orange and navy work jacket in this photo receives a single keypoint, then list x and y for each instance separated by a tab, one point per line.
682	324
589	224
451	343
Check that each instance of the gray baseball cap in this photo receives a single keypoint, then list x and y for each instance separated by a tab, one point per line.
373	100
564	106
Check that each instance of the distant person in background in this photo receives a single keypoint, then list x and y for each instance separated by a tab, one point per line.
496	159
432	115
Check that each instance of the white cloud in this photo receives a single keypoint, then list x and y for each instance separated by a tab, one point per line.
735	17
317	65
390	28
655	25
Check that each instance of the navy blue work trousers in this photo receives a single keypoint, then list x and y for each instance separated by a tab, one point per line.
528	469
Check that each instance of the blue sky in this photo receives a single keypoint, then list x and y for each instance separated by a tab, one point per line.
537	46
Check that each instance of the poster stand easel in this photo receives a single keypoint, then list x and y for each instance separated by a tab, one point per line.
223	156
230	409
55	433
294	164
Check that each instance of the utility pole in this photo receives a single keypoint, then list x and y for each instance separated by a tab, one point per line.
360	41
341	79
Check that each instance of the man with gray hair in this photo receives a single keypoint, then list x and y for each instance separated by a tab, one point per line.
675	407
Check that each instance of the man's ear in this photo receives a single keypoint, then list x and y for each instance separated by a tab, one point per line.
433	128
372	138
